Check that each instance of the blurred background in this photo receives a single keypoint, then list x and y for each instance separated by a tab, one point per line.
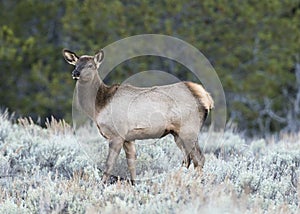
254	47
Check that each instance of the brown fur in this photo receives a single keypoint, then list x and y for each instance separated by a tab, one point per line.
104	95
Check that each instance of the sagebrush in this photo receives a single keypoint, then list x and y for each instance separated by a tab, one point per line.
53	170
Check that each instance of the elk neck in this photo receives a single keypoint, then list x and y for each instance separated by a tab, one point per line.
93	96
87	95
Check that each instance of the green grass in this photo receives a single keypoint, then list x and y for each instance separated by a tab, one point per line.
52	170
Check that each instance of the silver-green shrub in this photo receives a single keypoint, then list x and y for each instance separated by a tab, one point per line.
53	170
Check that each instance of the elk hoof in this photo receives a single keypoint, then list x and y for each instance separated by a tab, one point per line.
112	179
187	162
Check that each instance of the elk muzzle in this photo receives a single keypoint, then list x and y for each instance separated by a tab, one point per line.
75	74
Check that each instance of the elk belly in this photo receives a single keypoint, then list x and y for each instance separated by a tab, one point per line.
150	125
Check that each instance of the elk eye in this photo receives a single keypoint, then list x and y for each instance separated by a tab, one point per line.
90	65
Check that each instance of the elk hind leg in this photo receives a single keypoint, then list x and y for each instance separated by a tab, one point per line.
197	156
180	144
192	151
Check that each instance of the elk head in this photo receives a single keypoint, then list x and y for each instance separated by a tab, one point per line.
85	66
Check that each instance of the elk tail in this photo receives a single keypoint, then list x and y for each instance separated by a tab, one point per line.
202	95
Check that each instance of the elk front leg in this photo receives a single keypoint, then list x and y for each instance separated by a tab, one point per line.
115	147
129	148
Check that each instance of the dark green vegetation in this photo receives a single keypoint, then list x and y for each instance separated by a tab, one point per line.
254	47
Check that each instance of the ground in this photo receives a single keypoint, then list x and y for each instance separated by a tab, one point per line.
54	170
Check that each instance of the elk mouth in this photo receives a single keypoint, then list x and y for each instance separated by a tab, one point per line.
75	77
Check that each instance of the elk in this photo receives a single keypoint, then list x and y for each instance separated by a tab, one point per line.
125	113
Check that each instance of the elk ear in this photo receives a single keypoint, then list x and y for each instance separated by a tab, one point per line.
70	57
98	58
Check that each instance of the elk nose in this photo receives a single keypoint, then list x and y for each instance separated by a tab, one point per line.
75	73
